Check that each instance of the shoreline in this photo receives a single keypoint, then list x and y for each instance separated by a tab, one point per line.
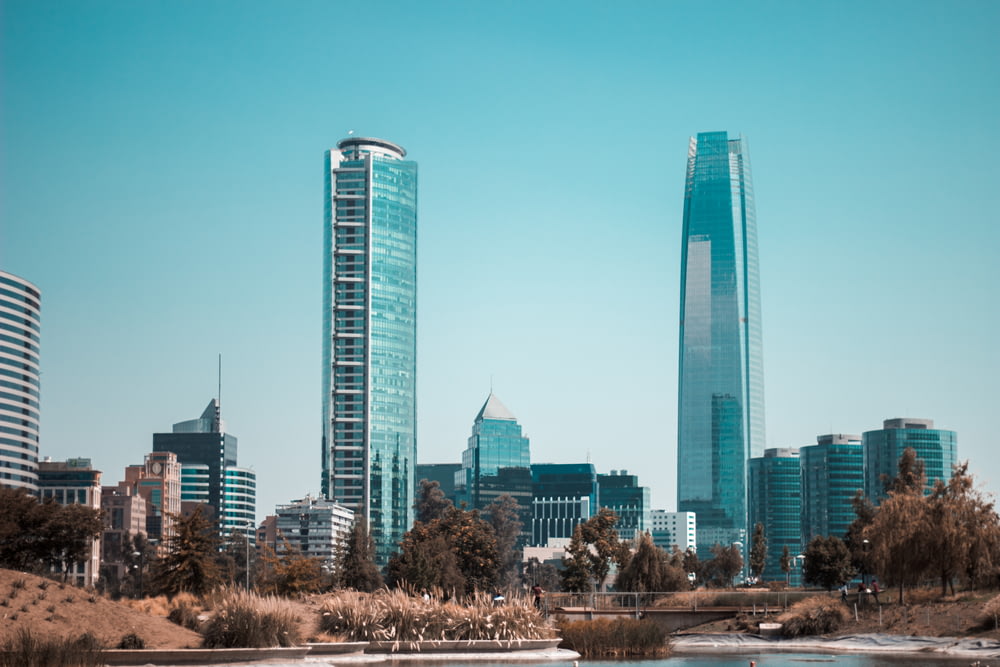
948	647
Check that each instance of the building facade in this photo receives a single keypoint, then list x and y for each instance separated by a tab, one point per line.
20	340
674	530
74	482
369	443
832	473
563	495
314	526
937	448
158	481
721	378
620	492
442	473
776	503
497	459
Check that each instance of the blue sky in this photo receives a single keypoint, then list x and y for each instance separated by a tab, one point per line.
162	184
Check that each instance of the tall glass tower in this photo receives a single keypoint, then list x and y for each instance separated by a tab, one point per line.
369	447
720	421
20	332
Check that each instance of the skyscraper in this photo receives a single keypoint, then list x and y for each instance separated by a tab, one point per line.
776	504
720	421
20	331
937	448
369	445
832	473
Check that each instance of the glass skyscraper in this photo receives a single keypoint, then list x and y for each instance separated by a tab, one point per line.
776	503
720	421
369	446
832	473
20	337
937	448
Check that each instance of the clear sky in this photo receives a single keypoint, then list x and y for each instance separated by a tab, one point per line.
162	183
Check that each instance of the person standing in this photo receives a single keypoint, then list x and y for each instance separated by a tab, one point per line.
537	591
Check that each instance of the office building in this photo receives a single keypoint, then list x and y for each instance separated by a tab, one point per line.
674	531
209	470
158	481
832	473
369	444
74	482
563	495
938	449
775	502
720	421
620	492
314	526
124	514
497	459
20	337
442	473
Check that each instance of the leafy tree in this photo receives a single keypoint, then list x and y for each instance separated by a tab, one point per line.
786	563
457	551
357	559
545	575
828	562
36	536
857	543
189	564
504	516
431	503
650	569
964	523
576	574
692	565
593	548
900	536
758	550
237	560
290	573
726	563
910	476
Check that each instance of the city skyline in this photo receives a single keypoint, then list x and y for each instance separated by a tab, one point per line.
160	187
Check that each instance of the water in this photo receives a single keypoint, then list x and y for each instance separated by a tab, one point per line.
781	660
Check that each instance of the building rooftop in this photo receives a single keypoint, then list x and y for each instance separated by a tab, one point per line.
494	409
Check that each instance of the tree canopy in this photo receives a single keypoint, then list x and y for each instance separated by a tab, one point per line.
357	567
189	564
591	551
758	550
827	562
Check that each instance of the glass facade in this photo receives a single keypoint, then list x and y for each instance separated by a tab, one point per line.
20	337
832	473
721	379
620	492
369	443
776	502
563	495
938	450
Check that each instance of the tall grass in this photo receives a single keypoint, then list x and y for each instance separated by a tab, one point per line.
622	637
818	615
25	649
398	616
247	620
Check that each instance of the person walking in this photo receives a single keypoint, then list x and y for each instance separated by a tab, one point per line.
875	590
537	592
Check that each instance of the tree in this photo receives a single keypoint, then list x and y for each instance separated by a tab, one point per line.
650	569
592	549
545	575
290	573
576	574
504	516
786	563
456	552
857	544
189	564
827	562
910	475
357	559
35	536
758	550
431	503
726	563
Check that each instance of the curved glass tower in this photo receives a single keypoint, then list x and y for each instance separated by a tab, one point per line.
370	335
720	421
20	332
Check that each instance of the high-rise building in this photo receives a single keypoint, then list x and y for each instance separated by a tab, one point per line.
314	526
620	492
674	530
369	446
158	481
563	495
20	332
209	471
938	449
74	482
720	421
442	473
832	473
496	444
776	503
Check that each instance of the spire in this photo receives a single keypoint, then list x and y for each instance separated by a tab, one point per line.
494	409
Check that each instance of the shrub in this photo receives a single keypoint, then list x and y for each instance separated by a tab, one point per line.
132	641
19	584
184	610
247	620
989	617
27	650
818	615
353	617
623	637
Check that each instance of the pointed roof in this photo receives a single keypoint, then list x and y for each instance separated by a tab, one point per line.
494	409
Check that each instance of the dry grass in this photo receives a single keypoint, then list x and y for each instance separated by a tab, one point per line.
26	649
622	637
817	615
398	616
248	620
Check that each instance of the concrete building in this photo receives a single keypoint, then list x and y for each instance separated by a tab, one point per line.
74	482
158	481
20	340
314	526
674	530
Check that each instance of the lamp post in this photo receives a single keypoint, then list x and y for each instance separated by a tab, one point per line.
141	556
246	536
866	548
800	561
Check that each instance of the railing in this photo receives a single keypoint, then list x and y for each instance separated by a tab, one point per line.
750	601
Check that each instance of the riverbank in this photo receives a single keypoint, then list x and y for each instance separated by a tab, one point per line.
952	647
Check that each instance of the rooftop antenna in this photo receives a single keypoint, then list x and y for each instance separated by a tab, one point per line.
491	383
350	132
588	457
218	400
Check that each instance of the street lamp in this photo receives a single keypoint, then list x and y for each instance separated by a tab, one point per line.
866	548
800	561
246	537
141	556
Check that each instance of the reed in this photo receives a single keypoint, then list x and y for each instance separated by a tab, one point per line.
248	620
622	638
